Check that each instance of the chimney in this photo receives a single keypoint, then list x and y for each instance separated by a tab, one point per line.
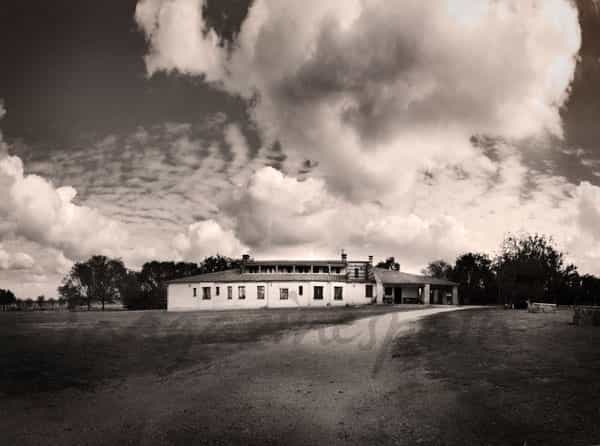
344	257
245	260
371	260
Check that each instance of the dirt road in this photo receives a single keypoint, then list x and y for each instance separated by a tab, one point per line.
331	385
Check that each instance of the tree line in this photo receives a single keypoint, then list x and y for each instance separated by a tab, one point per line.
528	267
102	280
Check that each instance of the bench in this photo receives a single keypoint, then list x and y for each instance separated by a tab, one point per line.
538	307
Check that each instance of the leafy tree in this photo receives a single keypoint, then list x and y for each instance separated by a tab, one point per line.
589	290
390	263
7	298
217	263
439	269
476	278
153	277
96	280
40	301
530	267
131	292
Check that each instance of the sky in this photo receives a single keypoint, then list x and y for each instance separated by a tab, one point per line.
178	129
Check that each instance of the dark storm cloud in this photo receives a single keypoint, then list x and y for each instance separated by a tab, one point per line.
583	108
76	73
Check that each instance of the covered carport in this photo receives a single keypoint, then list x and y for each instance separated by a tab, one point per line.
396	287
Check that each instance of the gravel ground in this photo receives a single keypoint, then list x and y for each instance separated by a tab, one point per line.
463	377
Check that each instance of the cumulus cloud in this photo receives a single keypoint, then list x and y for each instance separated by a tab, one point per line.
43	213
33	208
384	99
15	261
206	238
364	86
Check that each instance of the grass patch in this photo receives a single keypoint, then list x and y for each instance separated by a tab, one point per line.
48	351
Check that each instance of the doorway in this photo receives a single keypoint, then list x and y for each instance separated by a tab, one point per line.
397	295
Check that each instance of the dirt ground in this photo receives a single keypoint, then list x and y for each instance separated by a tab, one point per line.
344	376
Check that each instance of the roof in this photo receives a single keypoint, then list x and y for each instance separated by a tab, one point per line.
401	278
234	275
336	262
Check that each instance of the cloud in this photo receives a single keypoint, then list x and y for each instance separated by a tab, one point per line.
43	213
206	238
31	207
389	102
15	261
588	209
173	31
365	86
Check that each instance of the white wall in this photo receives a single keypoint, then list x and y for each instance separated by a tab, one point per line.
181	295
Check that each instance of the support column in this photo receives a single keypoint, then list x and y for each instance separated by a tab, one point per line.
426	294
454	295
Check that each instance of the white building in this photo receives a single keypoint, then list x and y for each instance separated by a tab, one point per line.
305	283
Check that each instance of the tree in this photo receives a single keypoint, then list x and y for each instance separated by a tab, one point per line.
476	278
390	263
531	267
439	269
217	263
589	292
131	292
96	280
40	301
148	288
7	298
152	280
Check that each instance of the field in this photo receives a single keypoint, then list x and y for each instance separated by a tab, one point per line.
342	376
50	351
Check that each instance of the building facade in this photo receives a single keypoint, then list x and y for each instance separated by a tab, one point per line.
303	283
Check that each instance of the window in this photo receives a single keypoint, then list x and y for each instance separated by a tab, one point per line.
283	293
268	269
260	292
318	293
338	293
229	292
355	272
217	291
320	269
369	290
241	292
389	291
206	293
300	290
195	291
